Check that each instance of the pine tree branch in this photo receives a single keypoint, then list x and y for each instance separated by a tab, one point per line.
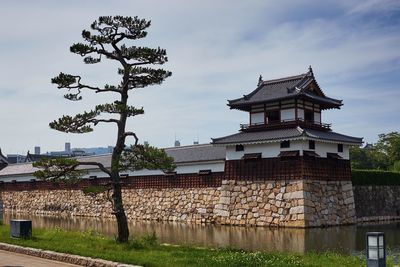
64	169
97	121
101	166
126	134
73	82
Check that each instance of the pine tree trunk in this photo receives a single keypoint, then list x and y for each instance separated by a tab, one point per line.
122	222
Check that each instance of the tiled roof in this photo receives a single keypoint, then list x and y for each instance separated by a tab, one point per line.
195	153
183	154
259	136
285	88
332	136
285	134
18	169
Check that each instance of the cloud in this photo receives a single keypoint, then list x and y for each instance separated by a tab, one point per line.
374	6
216	49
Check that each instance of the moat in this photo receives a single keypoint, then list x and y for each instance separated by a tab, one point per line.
344	239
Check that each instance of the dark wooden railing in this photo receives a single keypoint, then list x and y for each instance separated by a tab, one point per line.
192	180
286	124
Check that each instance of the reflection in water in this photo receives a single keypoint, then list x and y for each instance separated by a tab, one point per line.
348	239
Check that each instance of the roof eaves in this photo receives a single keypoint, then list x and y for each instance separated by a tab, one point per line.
356	140
269	82
264	101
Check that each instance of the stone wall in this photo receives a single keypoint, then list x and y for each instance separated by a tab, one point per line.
291	203
377	203
329	203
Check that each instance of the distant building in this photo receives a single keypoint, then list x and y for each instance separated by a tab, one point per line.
368	146
15	158
35	157
78	153
67	147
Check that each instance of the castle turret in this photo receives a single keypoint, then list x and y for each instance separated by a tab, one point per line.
285	114
287	144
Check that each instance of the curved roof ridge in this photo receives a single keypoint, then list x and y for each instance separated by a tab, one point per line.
284	79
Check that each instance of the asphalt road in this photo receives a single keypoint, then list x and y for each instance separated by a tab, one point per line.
11	259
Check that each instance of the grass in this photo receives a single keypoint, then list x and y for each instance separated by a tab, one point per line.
146	251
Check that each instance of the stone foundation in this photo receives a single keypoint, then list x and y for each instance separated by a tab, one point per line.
377	203
290	203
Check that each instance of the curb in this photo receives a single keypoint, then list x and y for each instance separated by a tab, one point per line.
63	257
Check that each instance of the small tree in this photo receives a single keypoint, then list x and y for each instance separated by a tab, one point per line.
107	43
390	145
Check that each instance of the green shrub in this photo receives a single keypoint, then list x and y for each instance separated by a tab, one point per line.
146	241
375	177
396	166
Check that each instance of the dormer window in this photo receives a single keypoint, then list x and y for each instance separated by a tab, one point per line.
311	144
239	148
340	148
285	144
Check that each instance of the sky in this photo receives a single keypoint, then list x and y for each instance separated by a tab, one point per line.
216	52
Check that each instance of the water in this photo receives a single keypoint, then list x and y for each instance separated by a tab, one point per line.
343	239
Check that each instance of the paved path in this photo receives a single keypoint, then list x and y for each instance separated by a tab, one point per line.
11	259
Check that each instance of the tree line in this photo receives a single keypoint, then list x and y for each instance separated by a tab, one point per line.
383	155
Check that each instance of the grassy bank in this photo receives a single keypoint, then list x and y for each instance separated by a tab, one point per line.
147	252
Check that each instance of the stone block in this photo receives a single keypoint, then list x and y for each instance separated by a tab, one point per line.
202	210
349	200
296	210
274	208
294	195
222	213
249	193
225	200
347	186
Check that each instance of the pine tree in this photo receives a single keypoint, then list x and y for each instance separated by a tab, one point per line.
106	41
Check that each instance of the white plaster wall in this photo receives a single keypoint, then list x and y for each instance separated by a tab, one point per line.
269	150
196	167
322	149
216	166
25	177
257	118
273	149
287	114
295	145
